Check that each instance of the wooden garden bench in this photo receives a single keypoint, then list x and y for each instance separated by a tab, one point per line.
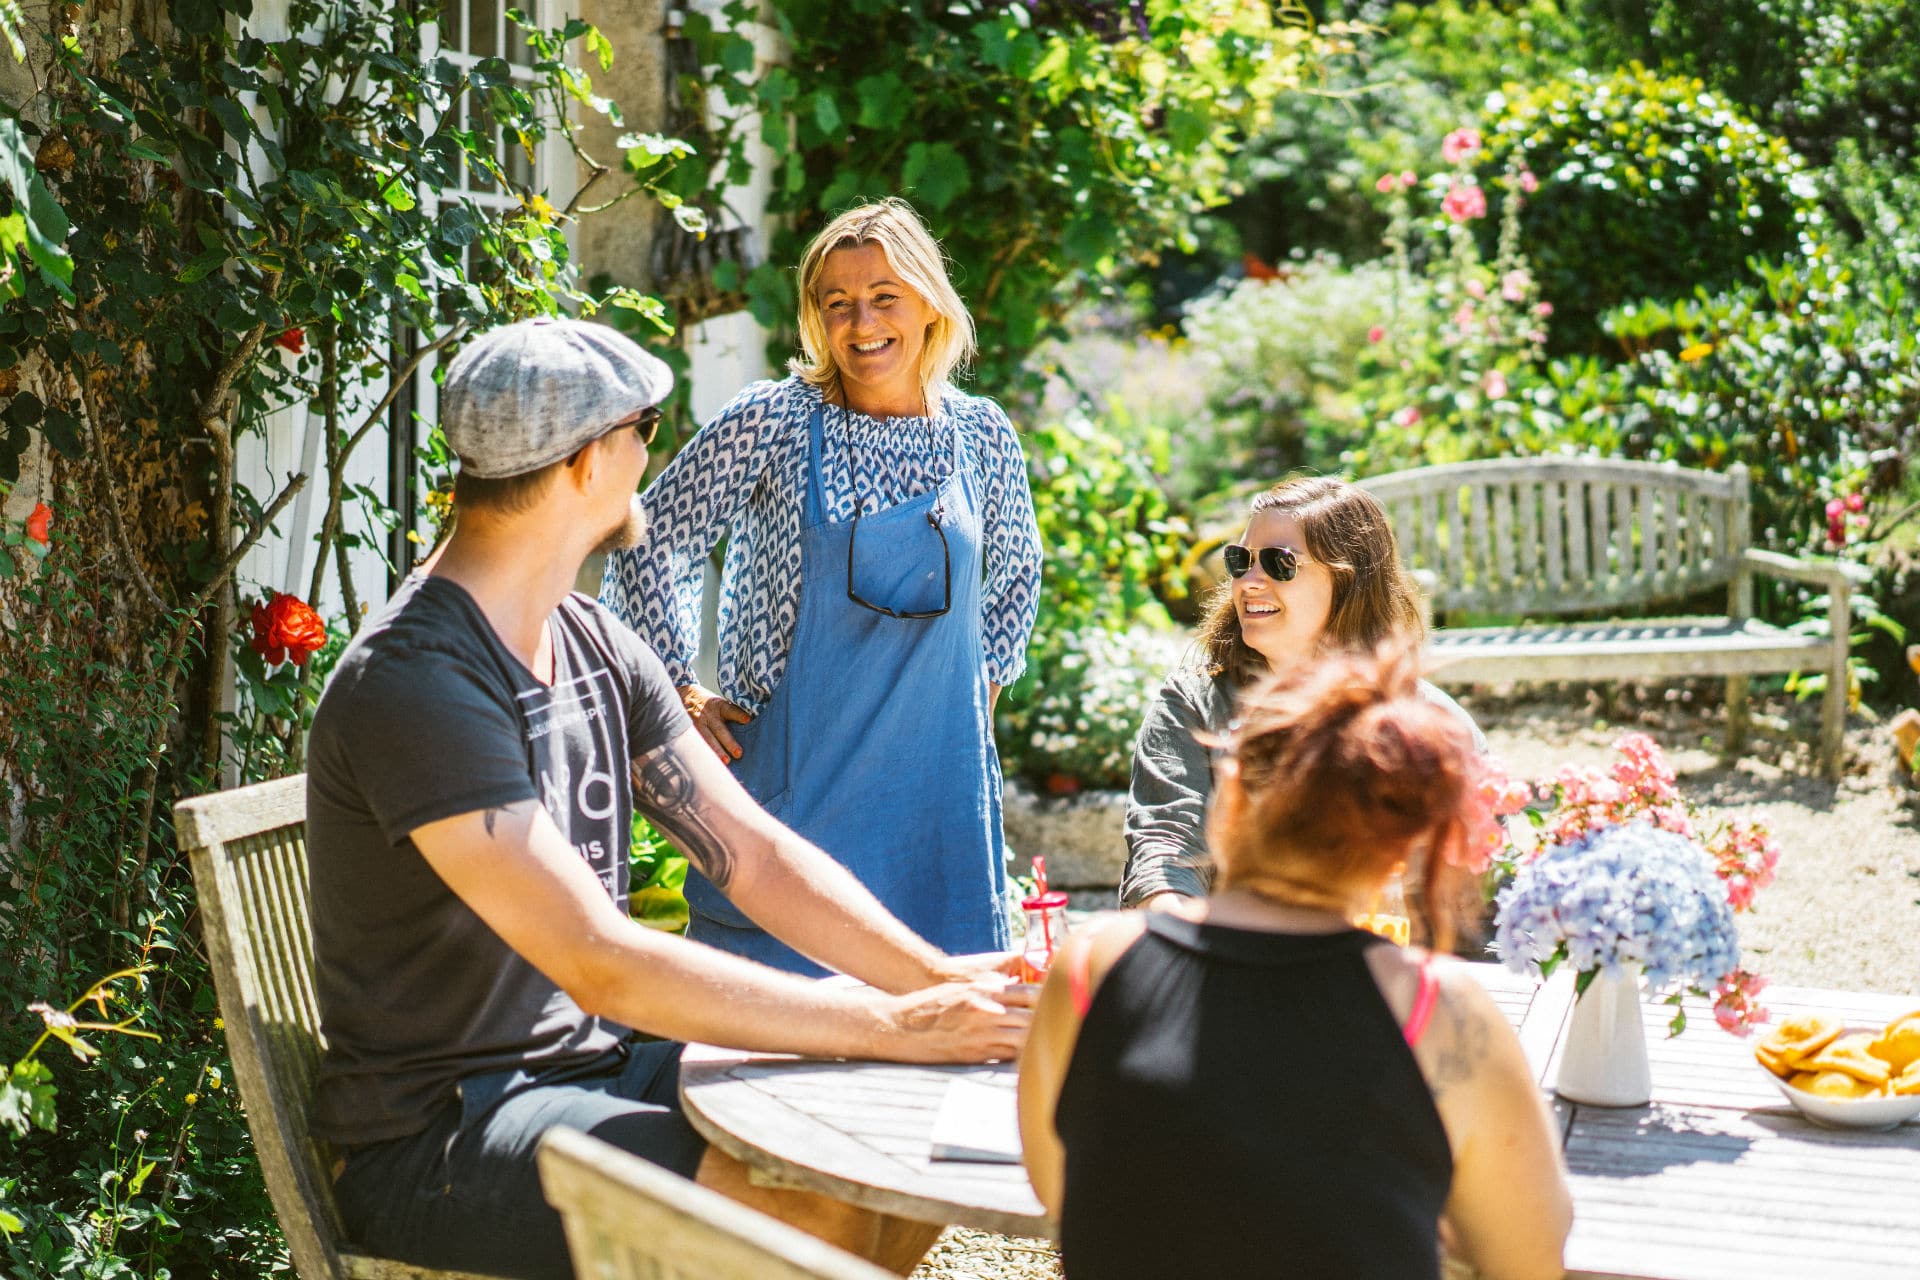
1544	538
630	1220
249	854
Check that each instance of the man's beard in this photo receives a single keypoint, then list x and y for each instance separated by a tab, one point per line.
629	533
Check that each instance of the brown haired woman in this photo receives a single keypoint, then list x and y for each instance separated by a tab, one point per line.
1316	571
1353	1102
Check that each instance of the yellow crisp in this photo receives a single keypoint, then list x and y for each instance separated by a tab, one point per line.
1849	1054
1907	1082
1899	1045
1797	1037
1832	1084
1770	1059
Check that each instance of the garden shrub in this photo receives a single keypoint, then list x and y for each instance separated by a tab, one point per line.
1111	546
1045	143
1282	360
1651	187
1818	73
1809	381
1077	729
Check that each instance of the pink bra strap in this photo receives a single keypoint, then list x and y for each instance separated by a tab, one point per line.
1423	1002
1077	966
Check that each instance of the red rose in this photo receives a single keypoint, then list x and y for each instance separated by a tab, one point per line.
294	340
286	628
39	522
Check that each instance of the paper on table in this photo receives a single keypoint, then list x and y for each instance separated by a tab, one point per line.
977	1122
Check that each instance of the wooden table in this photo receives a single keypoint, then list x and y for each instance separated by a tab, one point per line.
1718	1177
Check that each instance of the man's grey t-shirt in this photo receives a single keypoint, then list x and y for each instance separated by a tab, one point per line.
429	716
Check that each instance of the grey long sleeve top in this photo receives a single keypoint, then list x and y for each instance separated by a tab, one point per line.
1173	783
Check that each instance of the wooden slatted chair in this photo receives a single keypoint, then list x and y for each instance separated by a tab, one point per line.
1549	537
630	1220
249	854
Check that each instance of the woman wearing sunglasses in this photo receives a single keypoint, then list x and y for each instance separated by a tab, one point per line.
1315	571
881	577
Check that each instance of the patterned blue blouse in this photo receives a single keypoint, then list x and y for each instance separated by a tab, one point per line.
746	472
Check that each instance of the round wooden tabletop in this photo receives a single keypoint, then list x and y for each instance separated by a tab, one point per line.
858	1131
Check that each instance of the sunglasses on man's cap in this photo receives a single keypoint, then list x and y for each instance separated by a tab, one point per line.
1278	563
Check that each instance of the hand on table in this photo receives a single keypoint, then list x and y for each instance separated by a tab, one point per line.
711	714
967	968
983	1020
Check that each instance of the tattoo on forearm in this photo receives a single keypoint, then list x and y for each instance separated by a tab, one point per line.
1462	1047
663	788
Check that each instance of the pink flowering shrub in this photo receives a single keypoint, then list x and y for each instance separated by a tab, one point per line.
1638	786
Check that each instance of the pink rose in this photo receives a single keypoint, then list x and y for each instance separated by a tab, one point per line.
1464	203
39	521
1543	309
1494	384
1529	183
1376	334
1476	290
1463	318
1513	285
1459	144
1835	509
1406	417
1409	179
1387	184
1856	502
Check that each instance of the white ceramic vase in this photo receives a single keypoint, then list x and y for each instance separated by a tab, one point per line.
1604	1060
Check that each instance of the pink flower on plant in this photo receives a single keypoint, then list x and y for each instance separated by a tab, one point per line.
1836	509
1494	384
1529	183
1736	1003
1387	184
1409	179
1543	309
1459	144
1407	416
1464	203
1475	289
1856	502
1376	334
1513	285
1463	317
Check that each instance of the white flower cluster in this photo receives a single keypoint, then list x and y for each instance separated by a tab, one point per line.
1096	687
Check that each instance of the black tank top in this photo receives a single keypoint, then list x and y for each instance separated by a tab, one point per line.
1243	1104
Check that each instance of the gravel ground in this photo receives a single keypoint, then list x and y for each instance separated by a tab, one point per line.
1844	910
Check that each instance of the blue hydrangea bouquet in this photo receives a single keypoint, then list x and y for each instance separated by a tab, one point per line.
1618	896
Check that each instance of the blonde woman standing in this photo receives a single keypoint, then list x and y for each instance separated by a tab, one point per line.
881	577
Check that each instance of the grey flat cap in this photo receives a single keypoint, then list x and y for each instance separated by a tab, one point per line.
530	393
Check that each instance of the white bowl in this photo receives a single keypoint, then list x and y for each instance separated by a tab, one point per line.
1878	1112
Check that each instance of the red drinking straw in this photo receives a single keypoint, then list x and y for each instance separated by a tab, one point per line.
1040	891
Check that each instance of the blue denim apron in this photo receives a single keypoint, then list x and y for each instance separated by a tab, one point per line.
878	744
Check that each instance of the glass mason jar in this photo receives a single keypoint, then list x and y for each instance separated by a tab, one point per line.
1046	930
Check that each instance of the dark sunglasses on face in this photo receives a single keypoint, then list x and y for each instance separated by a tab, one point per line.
1278	563
648	425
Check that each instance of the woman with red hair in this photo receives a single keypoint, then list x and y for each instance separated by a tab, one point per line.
1284	1092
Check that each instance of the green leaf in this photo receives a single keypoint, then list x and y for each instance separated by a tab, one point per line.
826	113
1583	980
62	431
10	1224
26	1098
936	172
882	101
737	55
600	47
411	285
396	194
140	1178
46	222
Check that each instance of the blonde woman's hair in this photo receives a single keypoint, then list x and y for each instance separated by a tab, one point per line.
915	257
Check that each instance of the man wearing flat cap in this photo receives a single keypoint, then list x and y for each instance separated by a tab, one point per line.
475	763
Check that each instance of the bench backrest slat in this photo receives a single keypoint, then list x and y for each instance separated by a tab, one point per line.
249	853
1566	535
